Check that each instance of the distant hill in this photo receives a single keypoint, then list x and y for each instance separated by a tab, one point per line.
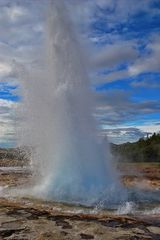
144	150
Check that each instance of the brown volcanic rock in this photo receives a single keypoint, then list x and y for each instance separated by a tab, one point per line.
39	220
25	219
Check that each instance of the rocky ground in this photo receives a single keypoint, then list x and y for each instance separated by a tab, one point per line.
145	175
26	218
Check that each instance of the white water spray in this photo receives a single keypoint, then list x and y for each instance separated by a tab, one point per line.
58	106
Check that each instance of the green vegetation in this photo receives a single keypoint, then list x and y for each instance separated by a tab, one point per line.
144	150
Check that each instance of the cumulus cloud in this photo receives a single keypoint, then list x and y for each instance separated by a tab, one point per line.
117	53
21	32
113	76
14	13
7	122
124	134
117	107
146	83
111	14
5	69
151	125
22	39
112	11
20	19
146	62
149	62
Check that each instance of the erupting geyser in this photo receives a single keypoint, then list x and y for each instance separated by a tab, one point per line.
71	165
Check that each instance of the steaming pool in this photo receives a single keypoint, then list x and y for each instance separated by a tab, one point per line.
140	201
25	215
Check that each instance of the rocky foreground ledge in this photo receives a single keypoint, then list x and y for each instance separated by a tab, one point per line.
24	219
32	219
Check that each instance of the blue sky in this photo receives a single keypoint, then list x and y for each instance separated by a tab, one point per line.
123	46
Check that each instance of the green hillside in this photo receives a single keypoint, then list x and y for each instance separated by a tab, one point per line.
144	150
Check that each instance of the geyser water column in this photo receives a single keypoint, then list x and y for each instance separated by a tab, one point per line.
58	104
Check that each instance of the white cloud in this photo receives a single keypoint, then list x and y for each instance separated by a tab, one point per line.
149	62
5	69
123	134
118	51
7	128
113	54
113	76
120	134
6	103
16	12
114	11
153	128
116	107
148	82
19	20
21	31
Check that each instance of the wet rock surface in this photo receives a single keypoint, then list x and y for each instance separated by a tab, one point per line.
27	219
33	219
